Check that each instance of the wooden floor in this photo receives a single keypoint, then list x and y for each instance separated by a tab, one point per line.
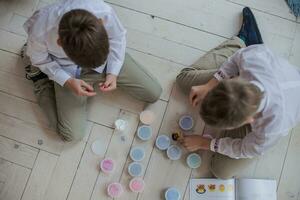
165	36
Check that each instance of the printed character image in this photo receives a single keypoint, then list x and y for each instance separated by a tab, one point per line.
211	187
222	188
201	189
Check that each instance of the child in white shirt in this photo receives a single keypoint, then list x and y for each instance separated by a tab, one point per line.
73	44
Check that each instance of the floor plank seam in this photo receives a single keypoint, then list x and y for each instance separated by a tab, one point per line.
168	20
94	186
15	163
161	123
285	157
30	175
85	146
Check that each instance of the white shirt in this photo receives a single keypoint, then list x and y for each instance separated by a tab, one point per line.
280	108
44	52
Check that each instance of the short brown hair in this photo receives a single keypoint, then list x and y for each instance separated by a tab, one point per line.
230	103
83	38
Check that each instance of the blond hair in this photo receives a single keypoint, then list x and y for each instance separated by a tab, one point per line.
230	103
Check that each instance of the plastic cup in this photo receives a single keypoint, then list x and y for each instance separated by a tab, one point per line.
144	132
97	147
147	117
186	122
172	194
115	190
137	185
120	124
193	161
107	165
174	152
162	142
137	154
135	169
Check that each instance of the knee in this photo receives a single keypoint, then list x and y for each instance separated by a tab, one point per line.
153	94
72	132
218	170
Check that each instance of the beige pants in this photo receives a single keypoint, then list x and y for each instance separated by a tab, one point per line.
200	73
67	111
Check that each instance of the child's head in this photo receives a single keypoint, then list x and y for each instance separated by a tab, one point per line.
83	38
231	104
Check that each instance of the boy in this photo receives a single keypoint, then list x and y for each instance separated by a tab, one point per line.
253	110
71	45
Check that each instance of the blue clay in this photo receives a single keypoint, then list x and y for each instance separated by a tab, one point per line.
193	161
144	132
163	142
186	122
172	194
174	152
135	169
137	154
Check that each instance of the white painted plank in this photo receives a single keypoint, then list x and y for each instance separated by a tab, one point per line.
64	172
13	180
11	63
172	51
159	109
11	42
17	86
18	153
271	164
16	25
6	12
170	173
219	17
118	151
30	134
295	51
22	109
40	176
25	7
88	169
289	186
167	30
274	7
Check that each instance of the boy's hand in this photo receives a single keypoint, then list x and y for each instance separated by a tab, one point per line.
199	92
80	87
109	84
195	142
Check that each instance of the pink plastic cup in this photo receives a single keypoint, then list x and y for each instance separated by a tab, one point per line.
115	190
107	165
137	185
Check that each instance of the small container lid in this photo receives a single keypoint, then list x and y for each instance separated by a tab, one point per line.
186	122
135	169
115	190
162	142
172	194
193	160
97	147
107	165
174	152
147	117
144	132
137	185
137	153
120	124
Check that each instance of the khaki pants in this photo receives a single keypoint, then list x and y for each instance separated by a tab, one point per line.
200	73
67	111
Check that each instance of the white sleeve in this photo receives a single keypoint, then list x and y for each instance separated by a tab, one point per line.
248	147
39	56
229	68
117	43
